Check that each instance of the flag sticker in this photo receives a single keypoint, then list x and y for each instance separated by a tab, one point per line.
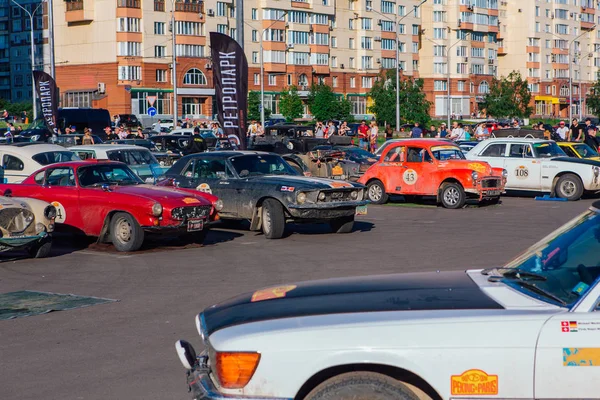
568	326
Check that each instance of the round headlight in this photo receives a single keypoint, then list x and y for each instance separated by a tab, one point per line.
301	197
354	195
157	209
218	205
474	175
504	173
321	196
34	138
50	212
596	171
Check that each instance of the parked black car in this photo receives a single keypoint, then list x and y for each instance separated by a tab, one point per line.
264	189
129	120
165	158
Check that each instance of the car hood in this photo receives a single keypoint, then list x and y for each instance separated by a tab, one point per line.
302	182
480	166
587	161
400	292
162	194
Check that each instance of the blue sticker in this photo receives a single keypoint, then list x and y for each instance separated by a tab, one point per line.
580	288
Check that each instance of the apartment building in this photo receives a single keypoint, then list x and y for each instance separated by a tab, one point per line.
544	39
15	48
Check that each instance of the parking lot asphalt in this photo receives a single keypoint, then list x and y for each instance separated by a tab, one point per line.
125	349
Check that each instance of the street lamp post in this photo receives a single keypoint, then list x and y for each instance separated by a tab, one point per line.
571	60
262	70
397	29
174	62
32	39
581	83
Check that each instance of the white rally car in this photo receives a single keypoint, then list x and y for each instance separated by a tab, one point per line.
539	165
528	330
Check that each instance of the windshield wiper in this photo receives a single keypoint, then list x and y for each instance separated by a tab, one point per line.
534	288
520	274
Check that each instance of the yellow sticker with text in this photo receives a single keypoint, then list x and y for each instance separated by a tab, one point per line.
272	293
337	170
477	167
190	200
474	382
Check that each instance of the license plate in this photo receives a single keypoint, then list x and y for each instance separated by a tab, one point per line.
492	193
195	225
361	210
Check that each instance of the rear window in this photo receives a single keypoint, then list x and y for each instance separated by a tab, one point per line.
132	157
52	157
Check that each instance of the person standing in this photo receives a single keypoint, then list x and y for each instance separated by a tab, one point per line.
260	131
373	135
87	139
587	131
157	127
481	133
458	133
331	130
122	133
5	116
575	130
433	132
363	135
196	144
319	130
443	130
563	131
389	132
416	131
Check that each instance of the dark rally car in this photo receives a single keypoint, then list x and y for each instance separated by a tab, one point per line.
264	189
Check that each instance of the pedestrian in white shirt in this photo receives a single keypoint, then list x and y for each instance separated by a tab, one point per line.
563	131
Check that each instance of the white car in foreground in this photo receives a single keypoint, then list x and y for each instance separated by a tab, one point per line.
23	159
539	165
528	330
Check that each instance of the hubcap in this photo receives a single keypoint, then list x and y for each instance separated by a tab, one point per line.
124	230
375	192
451	196
568	188
266	221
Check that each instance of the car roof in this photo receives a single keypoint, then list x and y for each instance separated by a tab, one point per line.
516	139
424	141
227	153
33	149
107	147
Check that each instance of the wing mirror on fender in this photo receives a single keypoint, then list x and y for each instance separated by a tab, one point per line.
105	187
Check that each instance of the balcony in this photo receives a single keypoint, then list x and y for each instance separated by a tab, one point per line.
159	5
74	5
79	11
129	3
194	7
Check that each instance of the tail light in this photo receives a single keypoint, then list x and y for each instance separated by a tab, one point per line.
235	369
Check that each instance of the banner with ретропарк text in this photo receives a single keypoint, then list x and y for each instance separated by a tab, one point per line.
47	92
230	77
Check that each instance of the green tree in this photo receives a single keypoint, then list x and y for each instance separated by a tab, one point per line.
508	97
593	100
290	104
414	106
325	105
254	107
345	110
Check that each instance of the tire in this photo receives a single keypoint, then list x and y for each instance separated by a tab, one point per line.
41	250
361	386
272	219
126	234
452	196
342	224
376	192
569	186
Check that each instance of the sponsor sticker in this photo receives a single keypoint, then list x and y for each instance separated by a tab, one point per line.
477	167
410	176
581	357
521	172
288	188
579	326
190	200
272	293
61	213
204	187
337	170
474	382
340	185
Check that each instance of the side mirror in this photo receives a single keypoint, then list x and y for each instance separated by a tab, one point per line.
105	187
186	353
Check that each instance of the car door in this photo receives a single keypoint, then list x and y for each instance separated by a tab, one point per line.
59	189
415	176
524	171
390	169
494	154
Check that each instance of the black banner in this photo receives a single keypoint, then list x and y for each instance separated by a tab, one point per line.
230	78
47	93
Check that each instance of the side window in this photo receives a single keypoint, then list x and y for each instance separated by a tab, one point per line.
39	177
570	152
494	150
211	169
520	151
188	171
12	163
85	154
415	155
395	154
60	177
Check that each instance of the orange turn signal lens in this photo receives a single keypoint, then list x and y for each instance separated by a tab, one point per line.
235	369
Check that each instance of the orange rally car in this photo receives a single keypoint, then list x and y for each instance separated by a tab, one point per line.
426	167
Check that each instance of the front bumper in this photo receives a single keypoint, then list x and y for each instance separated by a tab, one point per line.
324	211
17	242
203	388
487	191
178	229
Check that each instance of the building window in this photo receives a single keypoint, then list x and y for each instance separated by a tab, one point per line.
194	77
367	24
272	80
159	28
298	58
128	25
189	50
477	69
221	9
333	42
272	14
222	29
160	51
334	81
366	62
484	87
257	79
161	75
254	14
367	82
359	104
77	99
297	37
255	57
440	86
189	28
289	80
366	43
132	49
352	82
192	105
303	80
254	35
460	86
334	62
130	73
351	43
351	62
298	17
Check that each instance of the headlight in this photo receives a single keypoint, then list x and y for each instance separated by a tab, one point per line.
504	173
354	195
596	171
474	175
301	197
200	327
157	209
50	212
218	205
34	138
321	196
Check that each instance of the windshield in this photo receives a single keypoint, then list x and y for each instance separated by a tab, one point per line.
261	164
564	264
547	149
444	153
52	157
584	150
132	157
358	153
96	175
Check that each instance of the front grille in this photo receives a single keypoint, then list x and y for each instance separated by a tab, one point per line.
16	220
490	183
335	196
198	212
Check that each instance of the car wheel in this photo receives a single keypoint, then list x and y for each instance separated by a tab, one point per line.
343	224
126	234
41	250
361	386
452	195
376	192
272	218
569	186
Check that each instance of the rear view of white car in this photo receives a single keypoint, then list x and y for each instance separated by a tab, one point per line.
23	159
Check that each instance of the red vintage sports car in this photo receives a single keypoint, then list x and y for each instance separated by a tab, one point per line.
108	200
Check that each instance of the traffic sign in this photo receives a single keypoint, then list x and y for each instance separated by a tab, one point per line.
151	111
151	100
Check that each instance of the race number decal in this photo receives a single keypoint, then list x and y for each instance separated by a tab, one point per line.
61	213
410	177
203	187
521	172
